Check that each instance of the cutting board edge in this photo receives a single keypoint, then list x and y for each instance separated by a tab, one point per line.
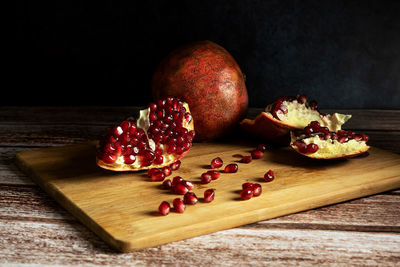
66	203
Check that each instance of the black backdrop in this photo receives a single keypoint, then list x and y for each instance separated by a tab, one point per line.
345	54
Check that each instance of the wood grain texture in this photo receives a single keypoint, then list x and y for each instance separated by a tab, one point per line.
35	229
117	206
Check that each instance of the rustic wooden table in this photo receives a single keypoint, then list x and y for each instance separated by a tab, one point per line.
34	229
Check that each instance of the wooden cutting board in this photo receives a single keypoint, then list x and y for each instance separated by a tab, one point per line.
122	207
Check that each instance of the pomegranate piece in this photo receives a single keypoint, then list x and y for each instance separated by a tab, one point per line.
214	174
316	141
159	138
246	193
216	163
179	206
246	159
209	195
231	168
207	77
164	208
257	154
269	176
205	178
190	198
287	114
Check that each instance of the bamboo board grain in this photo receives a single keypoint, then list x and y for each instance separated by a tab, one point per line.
122	207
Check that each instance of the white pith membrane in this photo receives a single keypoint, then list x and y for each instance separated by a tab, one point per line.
299	115
144	123
329	148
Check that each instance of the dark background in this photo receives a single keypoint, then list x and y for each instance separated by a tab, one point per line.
345	54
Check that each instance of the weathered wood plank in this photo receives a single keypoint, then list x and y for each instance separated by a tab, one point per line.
25	242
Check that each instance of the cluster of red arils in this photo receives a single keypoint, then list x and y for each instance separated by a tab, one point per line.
279	108
315	129
250	190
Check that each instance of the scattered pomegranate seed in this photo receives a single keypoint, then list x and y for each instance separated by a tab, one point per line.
167	184
231	168
246	193
246	159
257	189
157	176
164	208
151	171
247	185
179	206
188	184
214	174
269	176
216	163
257	154
166	170
261	147
209	195
176	180
180	189
190	198
206	178
174	166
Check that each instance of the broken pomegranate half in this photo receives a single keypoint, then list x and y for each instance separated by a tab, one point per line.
316	141
289	113
161	135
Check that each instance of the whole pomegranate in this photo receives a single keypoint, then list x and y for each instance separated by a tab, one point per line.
207	77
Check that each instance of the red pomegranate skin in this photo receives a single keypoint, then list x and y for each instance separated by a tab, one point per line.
207	77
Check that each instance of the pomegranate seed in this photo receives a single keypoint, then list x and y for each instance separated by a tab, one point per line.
315	126
164	208
151	171
157	176
166	184
313	104
246	159
179	206
302	99
214	174
261	147
358	137
125	126
247	185
308	130
257	189
166	170
129	159
312	148
284	109
209	195
187	184
176	180
365	137
256	154
190	198
216	163
231	168
158	159
174	166
269	176
180	189
205	178
302	147
246	194
153	106
108	158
